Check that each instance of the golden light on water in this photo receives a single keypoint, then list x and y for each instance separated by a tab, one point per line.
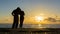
39	25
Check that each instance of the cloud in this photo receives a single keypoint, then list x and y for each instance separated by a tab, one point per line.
52	19
58	20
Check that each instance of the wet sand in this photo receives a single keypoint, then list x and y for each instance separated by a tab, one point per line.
30	31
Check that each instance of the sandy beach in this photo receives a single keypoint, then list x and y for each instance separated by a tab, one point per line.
30	31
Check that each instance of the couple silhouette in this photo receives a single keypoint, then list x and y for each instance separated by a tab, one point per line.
16	14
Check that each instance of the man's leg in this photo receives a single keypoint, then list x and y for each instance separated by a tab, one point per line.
16	25
13	26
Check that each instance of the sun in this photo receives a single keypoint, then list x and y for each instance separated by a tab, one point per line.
39	18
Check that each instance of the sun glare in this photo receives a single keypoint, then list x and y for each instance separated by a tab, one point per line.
39	18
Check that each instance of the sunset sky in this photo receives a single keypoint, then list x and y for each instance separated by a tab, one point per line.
47	11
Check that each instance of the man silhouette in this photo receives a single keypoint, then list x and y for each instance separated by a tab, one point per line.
16	17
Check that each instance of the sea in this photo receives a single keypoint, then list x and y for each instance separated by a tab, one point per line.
32	26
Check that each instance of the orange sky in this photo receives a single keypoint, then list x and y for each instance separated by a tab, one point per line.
49	9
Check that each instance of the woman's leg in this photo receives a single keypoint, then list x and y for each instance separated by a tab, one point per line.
21	21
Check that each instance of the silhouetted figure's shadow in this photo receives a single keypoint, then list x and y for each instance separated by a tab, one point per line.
15	13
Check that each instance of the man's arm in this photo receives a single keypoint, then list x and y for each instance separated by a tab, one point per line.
12	13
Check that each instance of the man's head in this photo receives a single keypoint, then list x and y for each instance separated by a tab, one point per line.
18	8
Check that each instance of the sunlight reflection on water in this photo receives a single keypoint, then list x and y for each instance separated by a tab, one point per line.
38	26
32	26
